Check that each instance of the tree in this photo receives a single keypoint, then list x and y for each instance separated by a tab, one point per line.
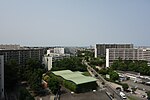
24	94
125	86
97	62
103	71
133	89
113	76
53	84
32	72
73	63
129	65
148	95
35	80
11	74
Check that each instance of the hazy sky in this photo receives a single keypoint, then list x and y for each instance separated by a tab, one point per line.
74	22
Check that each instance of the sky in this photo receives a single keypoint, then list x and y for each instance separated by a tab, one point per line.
74	22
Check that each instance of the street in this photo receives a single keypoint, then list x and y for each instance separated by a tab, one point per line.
101	79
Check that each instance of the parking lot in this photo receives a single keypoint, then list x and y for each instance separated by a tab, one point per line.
140	86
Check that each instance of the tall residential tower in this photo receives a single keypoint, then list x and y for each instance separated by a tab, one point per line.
100	49
1	77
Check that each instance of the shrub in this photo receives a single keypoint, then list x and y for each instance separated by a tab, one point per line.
148	95
24	94
125	86
70	85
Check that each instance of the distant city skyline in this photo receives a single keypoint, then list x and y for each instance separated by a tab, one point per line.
74	22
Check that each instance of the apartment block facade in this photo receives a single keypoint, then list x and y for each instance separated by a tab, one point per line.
9	46
1	77
100	49
59	50
113	54
22	55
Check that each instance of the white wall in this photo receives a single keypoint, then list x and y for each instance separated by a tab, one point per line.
95	52
59	50
47	61
48	52
107	57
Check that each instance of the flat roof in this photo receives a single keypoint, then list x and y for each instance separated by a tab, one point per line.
98	95
75	77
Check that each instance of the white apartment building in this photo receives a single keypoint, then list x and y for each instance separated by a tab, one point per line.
50	57
127	54
47	61
59	50
1	77
9	46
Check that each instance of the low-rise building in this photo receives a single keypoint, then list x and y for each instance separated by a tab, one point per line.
49	58
79	82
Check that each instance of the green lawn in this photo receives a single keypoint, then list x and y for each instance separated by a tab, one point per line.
132	98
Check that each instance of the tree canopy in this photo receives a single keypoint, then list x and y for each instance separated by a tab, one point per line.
53	84
113	75
73	63
31	72
125	86
148	95
129	65
11	74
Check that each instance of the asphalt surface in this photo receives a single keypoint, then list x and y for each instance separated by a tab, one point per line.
101	79
138	85
98	95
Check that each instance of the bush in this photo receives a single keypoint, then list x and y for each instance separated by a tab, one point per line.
103	71
70	85
24	94
73	64
148	95
53	84
46	78
113	76
125	86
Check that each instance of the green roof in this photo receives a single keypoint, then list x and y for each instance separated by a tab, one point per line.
75	77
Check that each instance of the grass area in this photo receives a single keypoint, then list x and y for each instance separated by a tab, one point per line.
132	98
86	73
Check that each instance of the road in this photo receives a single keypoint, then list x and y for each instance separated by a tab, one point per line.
48	97
101	79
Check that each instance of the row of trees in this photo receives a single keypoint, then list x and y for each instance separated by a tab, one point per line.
31	72
129	65
97	61
24	94
73	63
11	74
53	83
113	75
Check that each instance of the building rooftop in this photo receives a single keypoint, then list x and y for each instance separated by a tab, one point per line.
97	95
75	77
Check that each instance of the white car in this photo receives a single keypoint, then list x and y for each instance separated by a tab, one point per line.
123	95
